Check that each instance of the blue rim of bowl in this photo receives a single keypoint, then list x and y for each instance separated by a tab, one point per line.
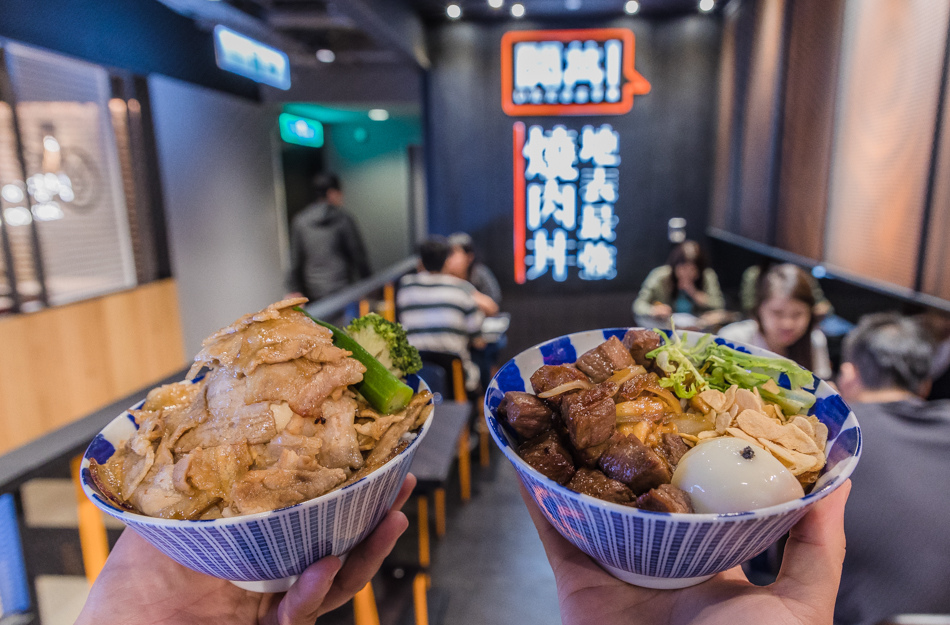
94	495
769	511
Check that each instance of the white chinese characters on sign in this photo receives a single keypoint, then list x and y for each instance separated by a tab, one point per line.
572	186
578	72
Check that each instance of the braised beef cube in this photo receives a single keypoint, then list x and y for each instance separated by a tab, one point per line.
633	463
552	376
600	362
634	387
591	415
527	414
589	456
596	484
665	498
672	448
548	455
640	343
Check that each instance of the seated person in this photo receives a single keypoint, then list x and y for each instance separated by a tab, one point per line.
683	285
463	264
896	561
750	278
783	320
439	311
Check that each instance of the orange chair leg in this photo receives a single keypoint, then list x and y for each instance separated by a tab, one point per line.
93	541
423	531
389	297
364	606
364	307
465	467
439	504
419	586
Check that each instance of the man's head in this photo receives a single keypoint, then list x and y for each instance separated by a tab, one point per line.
326	187
433	252
885	352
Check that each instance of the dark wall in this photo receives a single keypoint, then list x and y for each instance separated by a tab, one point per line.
666	144
140	36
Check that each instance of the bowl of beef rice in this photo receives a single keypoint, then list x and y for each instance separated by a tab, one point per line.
599	464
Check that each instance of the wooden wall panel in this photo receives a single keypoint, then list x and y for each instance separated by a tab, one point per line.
761	122
722	192
62	363
814	47
936	271
890	75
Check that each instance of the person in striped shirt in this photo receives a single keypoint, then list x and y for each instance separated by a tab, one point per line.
439	311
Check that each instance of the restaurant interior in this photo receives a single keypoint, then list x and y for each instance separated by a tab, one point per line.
157	156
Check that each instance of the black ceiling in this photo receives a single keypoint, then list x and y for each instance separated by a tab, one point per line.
434	10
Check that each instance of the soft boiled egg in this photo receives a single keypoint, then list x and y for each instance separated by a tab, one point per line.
731	475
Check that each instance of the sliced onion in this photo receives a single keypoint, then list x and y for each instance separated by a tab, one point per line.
575	385
622	375
667	397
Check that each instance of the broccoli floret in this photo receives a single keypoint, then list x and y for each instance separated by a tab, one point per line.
387	342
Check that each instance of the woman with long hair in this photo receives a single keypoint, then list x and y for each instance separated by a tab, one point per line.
783	320
685	284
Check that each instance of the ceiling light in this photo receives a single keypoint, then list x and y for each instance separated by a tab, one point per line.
517	9
496	4
378	115
326	56
454	11
707	5
572	5
631	7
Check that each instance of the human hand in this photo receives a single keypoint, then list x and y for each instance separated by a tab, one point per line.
662	311
804	593
139	584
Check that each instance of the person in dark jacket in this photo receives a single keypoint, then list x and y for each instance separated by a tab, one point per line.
898	540
326	249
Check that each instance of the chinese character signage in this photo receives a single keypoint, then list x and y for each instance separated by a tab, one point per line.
566	186
569	72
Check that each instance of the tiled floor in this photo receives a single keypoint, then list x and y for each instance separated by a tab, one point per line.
490	568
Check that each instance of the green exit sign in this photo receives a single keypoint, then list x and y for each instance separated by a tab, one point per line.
300	130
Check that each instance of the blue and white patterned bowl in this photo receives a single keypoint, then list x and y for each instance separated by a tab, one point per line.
657	549
263	552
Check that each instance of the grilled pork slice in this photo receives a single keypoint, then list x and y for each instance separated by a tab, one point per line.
640	343
548	455
600	362
596	484
665	498
527	414
633	463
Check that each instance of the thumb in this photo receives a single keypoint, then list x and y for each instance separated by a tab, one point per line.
301	604
811	566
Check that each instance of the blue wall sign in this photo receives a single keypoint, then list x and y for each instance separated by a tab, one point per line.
300	130
242	55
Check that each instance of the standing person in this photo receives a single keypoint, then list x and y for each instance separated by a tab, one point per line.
326	249
685	284
439	311
784	321
898	540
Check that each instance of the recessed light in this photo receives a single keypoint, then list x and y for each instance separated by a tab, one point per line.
517	9
496	4
707	5
326	56
454	11
631	7
378	115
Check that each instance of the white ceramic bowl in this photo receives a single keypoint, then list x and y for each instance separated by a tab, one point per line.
263	552
656	549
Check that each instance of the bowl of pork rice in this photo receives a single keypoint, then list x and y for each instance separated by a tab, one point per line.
659	549
267	548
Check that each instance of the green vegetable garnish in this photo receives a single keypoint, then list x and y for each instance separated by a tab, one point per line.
383	390
706	365
387	342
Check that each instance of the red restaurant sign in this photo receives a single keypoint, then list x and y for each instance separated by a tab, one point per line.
569	72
